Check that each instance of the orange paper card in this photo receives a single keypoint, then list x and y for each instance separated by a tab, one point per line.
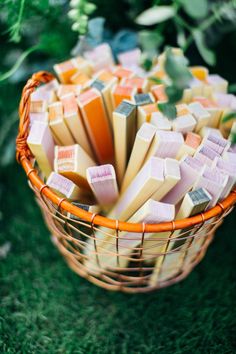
65	70
120	93
158	92
140	83
145	112
80	78
97	125
122	73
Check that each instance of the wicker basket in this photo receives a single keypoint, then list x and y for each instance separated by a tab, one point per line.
70	234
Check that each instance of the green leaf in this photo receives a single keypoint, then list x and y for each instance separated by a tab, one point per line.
207	54
154	15
155	80
196	9
232	88
150	40
228	117
15	35
18	63
179	75
168	109
176	69
96	28
147	64
174	94
181	37
233	138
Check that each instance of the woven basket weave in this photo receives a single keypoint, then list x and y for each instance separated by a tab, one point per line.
70	235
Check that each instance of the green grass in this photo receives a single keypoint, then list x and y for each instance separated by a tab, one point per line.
46	308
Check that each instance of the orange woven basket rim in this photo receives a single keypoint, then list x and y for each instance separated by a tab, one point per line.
24	156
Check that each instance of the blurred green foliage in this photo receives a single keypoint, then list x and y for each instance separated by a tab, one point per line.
37	33
179	77
158	22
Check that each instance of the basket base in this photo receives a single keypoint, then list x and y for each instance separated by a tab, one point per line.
136	279
77	267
